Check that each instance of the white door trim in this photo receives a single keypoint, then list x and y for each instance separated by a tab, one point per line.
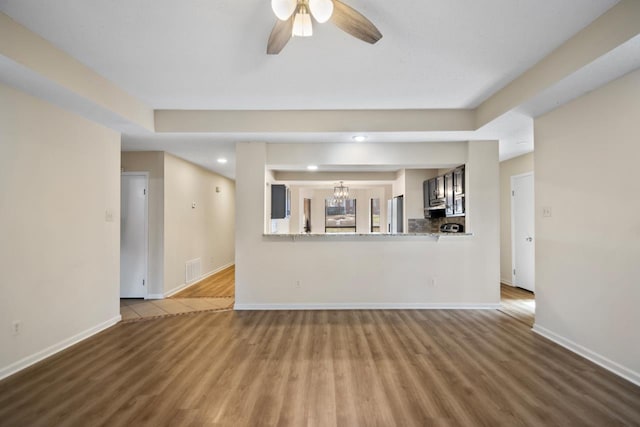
513	225
146	227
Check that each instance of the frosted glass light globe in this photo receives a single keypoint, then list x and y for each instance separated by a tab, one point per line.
302	24
321	9
283	8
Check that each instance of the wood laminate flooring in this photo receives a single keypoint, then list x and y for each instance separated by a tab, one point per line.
518	303
219	285
319	368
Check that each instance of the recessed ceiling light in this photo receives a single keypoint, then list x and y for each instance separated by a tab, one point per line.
359	138
222	160
312	167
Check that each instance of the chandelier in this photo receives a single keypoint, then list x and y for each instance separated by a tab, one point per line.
340	193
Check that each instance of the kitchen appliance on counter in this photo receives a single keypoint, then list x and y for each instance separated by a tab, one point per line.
451	227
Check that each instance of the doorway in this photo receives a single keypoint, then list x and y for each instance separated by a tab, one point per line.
523	231
134	224
306	219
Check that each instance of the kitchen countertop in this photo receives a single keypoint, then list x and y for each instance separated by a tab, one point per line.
367	236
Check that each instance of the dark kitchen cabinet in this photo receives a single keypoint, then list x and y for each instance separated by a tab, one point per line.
445	192
426	194
458	192
458	181
435	191
458	206
440	187
280	201
448	194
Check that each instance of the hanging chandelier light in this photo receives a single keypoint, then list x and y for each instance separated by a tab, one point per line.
340	193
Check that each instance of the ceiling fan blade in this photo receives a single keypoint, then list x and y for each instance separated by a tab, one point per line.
280	36
353	22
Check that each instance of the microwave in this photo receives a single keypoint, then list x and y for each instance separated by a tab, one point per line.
435	212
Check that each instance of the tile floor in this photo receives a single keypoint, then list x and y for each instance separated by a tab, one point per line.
136	309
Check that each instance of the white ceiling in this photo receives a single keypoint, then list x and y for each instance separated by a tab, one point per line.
210	54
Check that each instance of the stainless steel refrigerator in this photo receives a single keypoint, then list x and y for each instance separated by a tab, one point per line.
395	215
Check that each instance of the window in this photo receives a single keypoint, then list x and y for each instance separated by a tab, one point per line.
374	213
340	216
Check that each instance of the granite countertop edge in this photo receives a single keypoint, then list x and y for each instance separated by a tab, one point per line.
318	235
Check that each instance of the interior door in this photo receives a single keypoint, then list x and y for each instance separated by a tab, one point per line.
523	236
133	236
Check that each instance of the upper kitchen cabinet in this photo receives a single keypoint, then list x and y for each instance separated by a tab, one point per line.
458	191
445	194
448	193
280	201
434	192
440	188
458	181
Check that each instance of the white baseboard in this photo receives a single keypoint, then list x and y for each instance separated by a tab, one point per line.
188	285
367	306
51	350
507	282
596	358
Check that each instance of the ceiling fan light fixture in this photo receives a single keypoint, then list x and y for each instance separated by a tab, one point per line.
302	23
321	10
283	8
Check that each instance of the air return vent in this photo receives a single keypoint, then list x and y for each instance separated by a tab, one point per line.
193	270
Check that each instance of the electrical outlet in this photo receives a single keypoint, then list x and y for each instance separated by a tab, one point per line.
16	327
432	282
546	212
298	284
193	205
108	215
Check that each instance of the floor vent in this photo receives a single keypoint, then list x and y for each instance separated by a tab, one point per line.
192	270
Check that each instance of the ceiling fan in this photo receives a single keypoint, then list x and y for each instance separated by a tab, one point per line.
294	20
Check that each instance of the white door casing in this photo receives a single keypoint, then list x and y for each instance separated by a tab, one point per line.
523	231
133	235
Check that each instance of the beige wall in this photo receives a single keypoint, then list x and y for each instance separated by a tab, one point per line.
152	162
588	251
206	232
516	166
59	256
382	271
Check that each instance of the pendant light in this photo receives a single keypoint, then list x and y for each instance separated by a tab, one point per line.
340	193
